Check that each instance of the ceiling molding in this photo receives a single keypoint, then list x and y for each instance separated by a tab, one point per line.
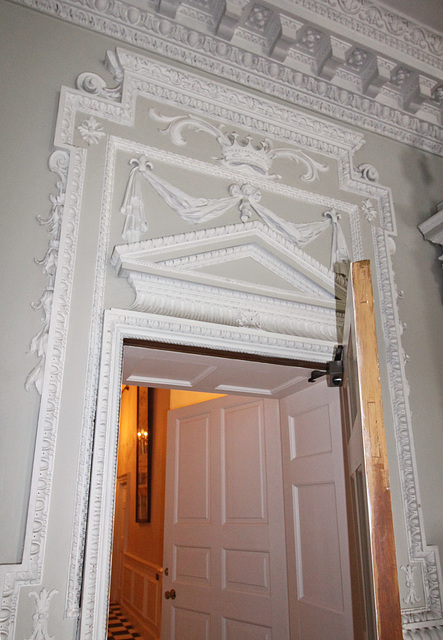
349	59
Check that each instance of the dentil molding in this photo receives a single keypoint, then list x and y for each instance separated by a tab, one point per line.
350	59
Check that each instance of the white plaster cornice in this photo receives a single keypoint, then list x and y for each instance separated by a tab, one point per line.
350	59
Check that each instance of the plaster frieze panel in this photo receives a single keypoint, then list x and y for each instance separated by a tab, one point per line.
318	63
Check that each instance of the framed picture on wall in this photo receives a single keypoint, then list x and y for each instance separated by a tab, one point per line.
145	415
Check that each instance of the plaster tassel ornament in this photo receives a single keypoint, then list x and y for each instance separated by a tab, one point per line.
339	250
41	615
191	209
132	207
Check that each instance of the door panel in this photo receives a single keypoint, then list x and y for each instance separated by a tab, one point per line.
244	471
192	625
192	483
316	515
224	523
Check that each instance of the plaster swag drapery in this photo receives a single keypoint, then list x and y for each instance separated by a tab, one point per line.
246	197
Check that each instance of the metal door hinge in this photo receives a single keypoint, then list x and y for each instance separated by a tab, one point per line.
334	370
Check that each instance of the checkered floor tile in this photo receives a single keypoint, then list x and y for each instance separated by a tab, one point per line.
118	627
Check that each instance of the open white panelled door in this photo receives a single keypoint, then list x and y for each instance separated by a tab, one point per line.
377	614
316	515
225	544
224	560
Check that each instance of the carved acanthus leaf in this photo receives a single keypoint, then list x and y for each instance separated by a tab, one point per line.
368	210
91	131
411	597
41	615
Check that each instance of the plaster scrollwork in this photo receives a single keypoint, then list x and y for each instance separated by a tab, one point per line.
355	181
240	153
368	172
94	84
41	616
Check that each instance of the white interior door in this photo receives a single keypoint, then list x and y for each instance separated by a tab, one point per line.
316	517
224	523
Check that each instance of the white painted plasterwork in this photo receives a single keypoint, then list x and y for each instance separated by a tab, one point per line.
432	228
350	59
63	225
240	329
41	615
426	620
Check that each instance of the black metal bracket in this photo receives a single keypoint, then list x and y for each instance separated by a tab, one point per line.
334	370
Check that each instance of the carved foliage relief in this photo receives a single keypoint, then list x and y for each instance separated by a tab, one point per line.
222	207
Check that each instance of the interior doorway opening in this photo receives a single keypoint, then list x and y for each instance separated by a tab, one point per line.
245	380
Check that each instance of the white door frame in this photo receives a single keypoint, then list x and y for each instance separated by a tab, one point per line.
122	325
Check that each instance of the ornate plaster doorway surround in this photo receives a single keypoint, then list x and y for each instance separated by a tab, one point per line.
93	113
